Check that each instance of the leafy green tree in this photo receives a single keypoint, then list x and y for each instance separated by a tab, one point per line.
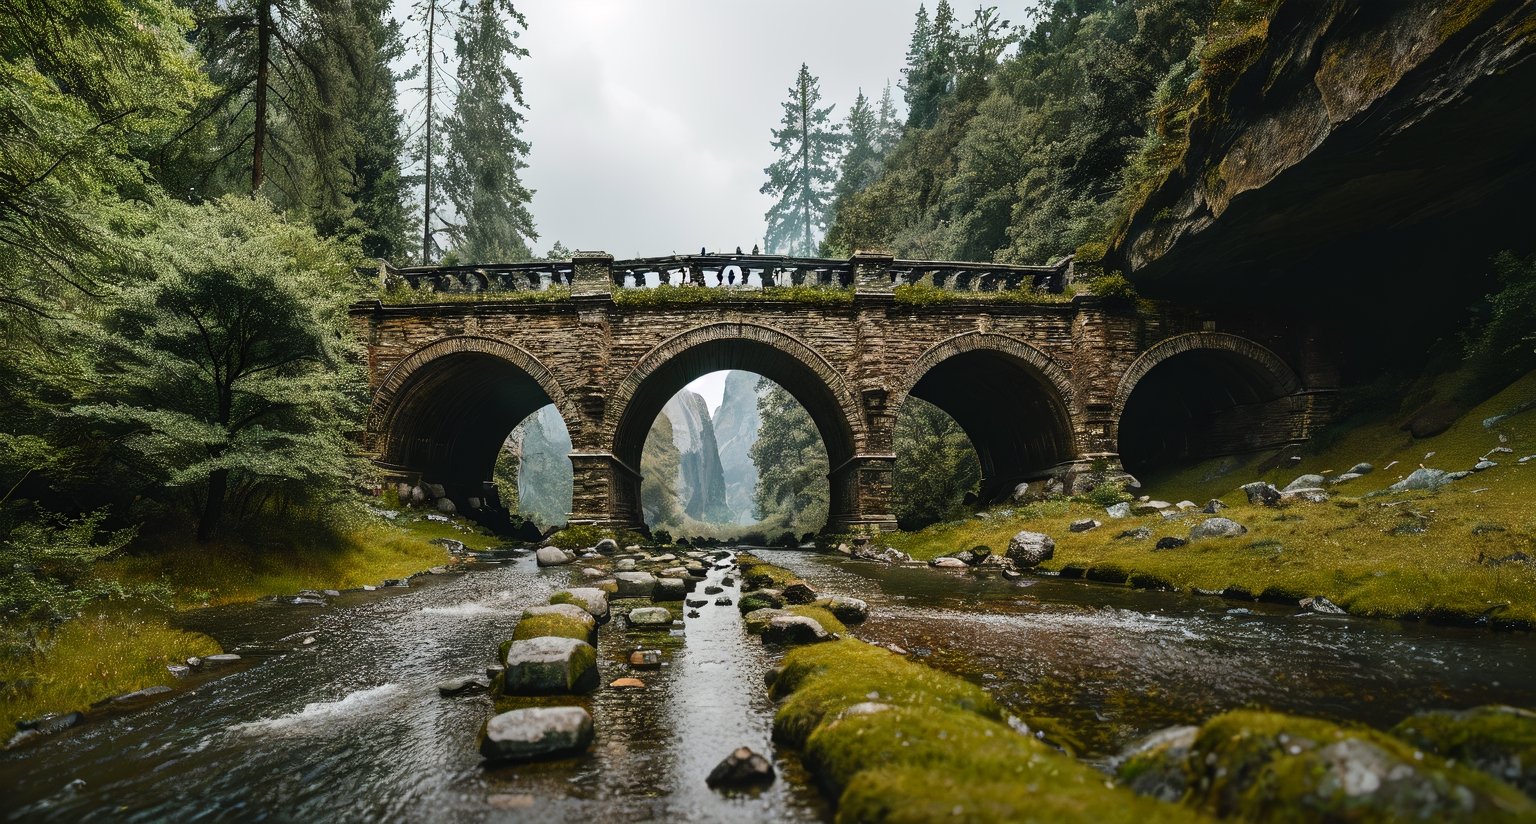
485	149
935	465
801	180
791	464
225	371
47	567
88	91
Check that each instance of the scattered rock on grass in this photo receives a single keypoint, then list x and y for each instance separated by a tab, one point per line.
1216	528
1422	478
1170	542
1084	525
1319	604
1120	510
1030	549
794	629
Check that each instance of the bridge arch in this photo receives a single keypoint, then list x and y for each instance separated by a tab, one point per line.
442	412
1201	395
1016	404
635	401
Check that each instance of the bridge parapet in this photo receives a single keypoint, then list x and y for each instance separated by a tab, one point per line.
591	272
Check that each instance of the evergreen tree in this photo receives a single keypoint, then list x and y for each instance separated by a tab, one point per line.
887	125
861	159
931	61
289	72
791	464
660	466
913	82
935	465
484	147
376	185
802	178
436	22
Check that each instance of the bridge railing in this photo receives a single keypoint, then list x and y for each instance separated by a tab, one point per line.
595	272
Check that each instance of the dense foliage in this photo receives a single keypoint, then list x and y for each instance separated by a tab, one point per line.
1019	155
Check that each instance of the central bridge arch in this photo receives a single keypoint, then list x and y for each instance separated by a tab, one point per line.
774	354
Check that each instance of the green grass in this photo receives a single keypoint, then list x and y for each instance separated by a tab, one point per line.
558	626
750	565
102	653
821	616
1353	550
923	294
413	297
116	649
940	751
668	295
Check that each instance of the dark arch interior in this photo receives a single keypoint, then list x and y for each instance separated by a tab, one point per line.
745	355
1016	421
450	419
1197	405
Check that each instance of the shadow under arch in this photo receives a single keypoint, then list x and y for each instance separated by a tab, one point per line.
441	414
771	353
1015	403
1202	395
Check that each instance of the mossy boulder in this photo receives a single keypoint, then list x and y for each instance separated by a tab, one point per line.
825	618
1500	741
1270	767
848	610
549	666
757	620
1154	766
795	629
556	620
591	599
825	679
753	601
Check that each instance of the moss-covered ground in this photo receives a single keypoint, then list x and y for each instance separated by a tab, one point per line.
930	746
1411	554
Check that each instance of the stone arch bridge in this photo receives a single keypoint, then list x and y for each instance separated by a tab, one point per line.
1048	387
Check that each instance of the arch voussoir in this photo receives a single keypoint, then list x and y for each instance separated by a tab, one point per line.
1284	379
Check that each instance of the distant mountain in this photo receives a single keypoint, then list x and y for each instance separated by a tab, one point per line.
544	469
736	423
700	481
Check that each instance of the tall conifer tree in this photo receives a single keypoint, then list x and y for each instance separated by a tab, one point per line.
801	179
483	140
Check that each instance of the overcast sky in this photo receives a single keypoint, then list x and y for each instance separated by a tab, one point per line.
650	119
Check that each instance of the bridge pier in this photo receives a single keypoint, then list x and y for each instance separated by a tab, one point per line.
605	491
861	494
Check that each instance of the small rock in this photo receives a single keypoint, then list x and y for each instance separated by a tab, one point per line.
537	732
594	601
794	629
178	670
140	695
1138	534
670	589
799	592
50	724
1422	478
650	617
1216	528
194	662
552	556
948	562
592	572
1187	506
1261	493
1458	475
1347	476
713	590
723	601
494	670
1304	482
333	593
467	685
1481	465
1170	542
1149	507
1361	468
606	546
742	769
845	609
1030	549
627	683
220	659
1084	525
645	659
1213	506
549	665
1120	510
1319	604
635	584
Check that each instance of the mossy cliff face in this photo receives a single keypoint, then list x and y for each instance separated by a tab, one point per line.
1312	124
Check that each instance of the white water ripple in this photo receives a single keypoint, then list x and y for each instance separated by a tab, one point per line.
316	718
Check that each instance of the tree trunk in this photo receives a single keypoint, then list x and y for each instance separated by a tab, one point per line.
213	508
805	161
426	194
263	67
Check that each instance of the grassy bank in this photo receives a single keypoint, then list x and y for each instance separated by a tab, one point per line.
1412	554
118	647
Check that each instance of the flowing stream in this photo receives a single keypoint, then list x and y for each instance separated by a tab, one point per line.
350	727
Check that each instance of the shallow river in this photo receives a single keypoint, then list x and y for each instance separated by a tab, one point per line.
350	727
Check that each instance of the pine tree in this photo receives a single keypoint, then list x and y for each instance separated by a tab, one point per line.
376	184
802	178
861	160
791	463
931	65
289	71
436	22
484	147
887	125
913	82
